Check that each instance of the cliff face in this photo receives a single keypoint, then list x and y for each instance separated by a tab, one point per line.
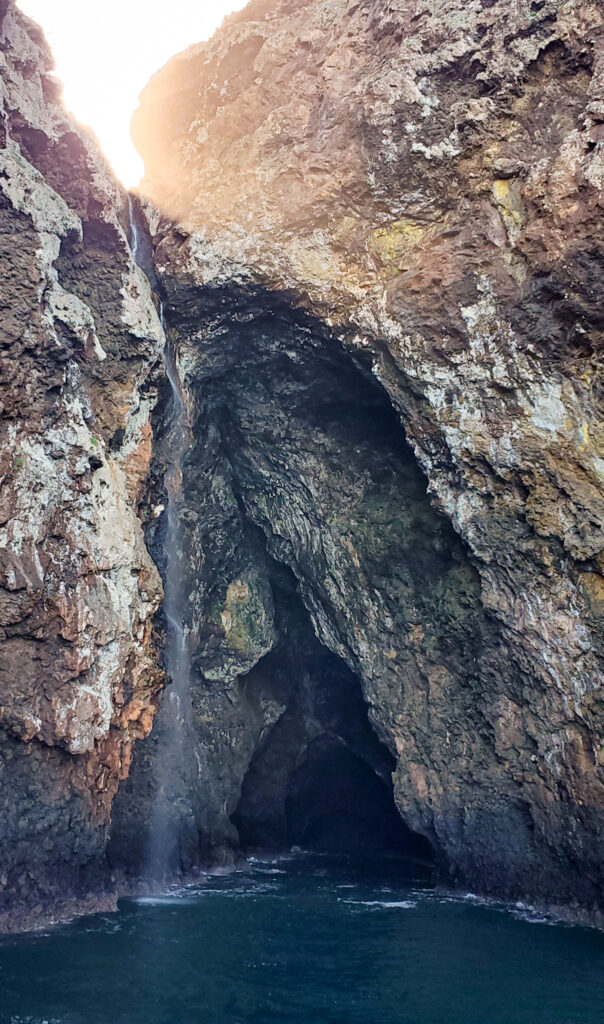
377	234
79	338
398	205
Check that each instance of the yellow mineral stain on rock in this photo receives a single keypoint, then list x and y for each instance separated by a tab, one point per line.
583	433
490	153
391	243
237	592
593	585
508	199
501	189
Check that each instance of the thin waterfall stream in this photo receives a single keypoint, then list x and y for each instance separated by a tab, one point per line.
175	707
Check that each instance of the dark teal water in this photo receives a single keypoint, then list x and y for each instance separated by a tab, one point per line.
304	943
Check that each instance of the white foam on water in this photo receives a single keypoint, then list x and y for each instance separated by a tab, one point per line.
282	858
222	871
442	896
161	901
35	1020
479	901
386	904
522	912
105	927
244	889
170	898
530	915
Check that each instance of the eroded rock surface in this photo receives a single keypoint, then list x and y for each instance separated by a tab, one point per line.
423	183
79	338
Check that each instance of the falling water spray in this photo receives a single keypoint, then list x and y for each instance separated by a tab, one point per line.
174	714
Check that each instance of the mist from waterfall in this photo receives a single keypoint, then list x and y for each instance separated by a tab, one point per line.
174	714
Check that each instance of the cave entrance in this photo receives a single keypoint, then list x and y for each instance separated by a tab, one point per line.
337	803
321	779
306	532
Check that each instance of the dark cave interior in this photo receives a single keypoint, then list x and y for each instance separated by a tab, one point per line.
321	779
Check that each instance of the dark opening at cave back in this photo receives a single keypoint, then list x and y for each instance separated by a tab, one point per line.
337	803
321	780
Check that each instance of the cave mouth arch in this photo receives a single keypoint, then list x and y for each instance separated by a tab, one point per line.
325	485
319	580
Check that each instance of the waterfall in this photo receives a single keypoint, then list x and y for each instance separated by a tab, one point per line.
135	236
178	662
174	715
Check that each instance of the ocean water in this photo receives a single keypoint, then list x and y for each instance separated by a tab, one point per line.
305	941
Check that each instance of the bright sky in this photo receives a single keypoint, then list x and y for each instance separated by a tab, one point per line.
106	53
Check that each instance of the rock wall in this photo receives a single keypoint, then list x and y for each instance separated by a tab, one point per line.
79	339
423	182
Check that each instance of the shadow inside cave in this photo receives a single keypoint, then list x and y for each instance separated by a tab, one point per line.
321	780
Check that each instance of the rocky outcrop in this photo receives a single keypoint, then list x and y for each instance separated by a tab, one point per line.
79	339
398	205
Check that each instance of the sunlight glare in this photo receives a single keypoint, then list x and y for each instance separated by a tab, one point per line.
105	55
